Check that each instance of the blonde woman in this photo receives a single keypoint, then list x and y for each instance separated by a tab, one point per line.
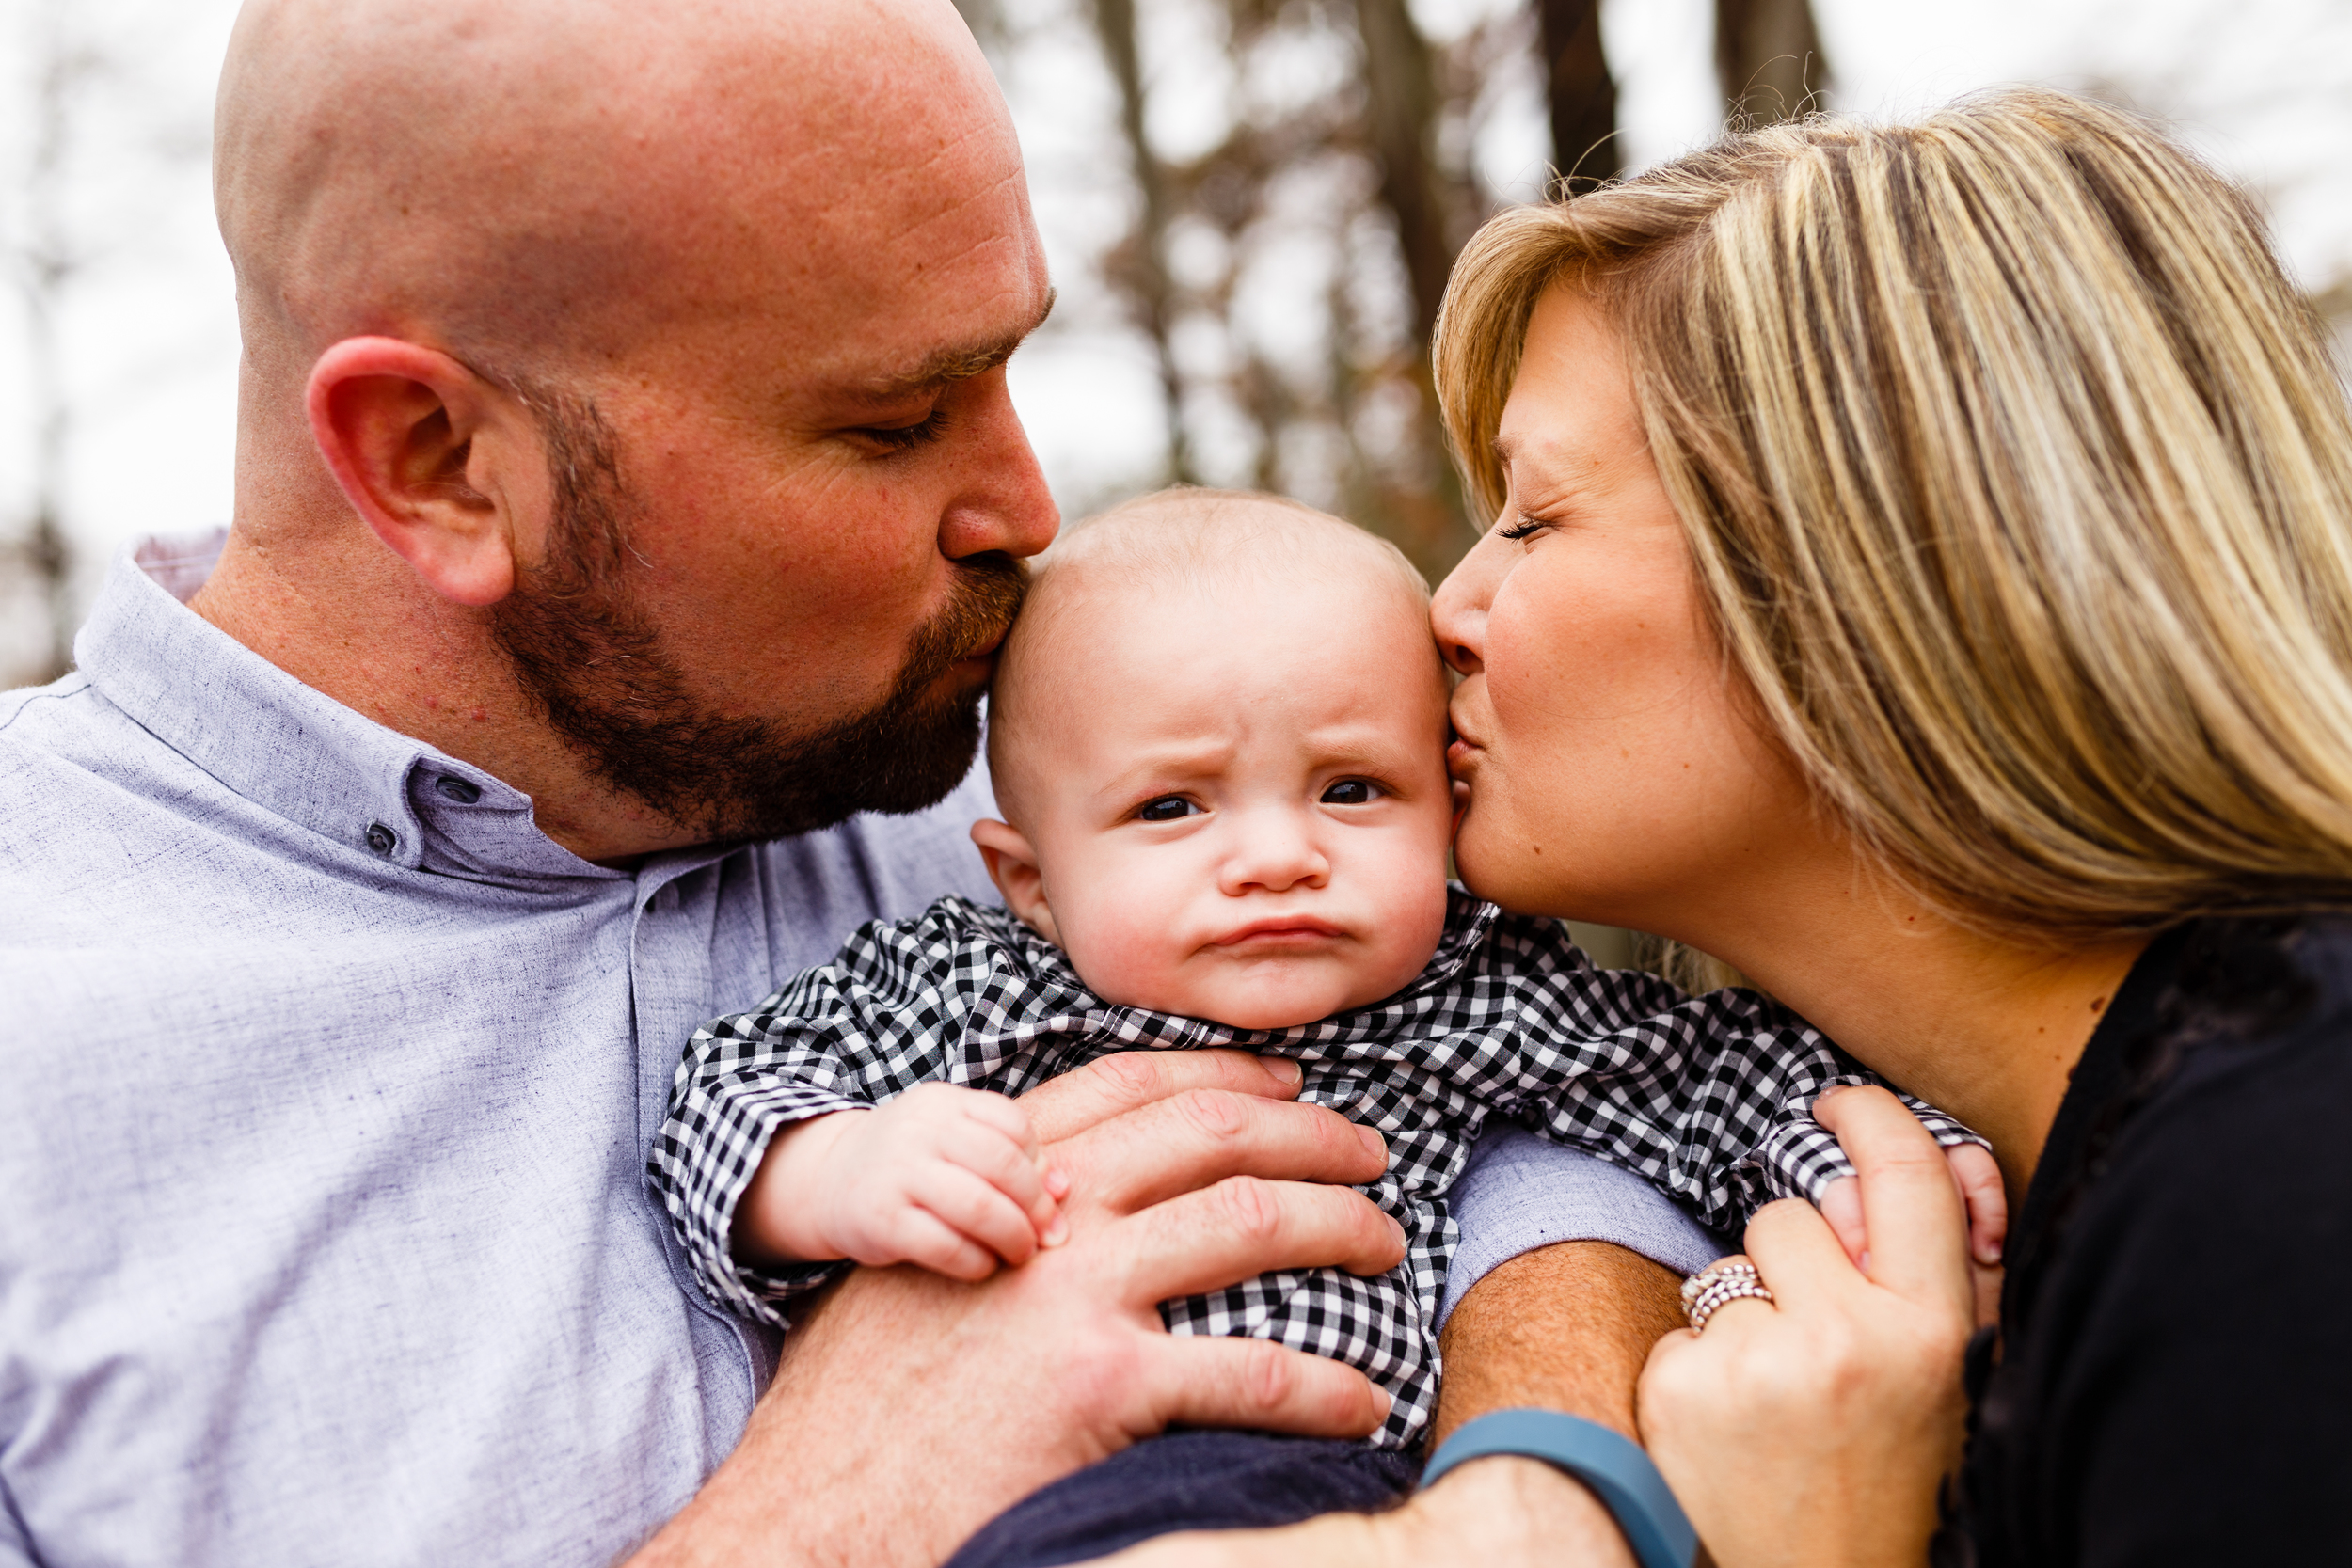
1922	579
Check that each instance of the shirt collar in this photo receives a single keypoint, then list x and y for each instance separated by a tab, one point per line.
292	750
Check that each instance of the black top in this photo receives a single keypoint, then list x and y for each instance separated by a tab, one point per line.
2172	1378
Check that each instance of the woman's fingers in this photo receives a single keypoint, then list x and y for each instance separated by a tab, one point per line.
1841	1205
1175	1144
1113	1085
1918	1231
1243	1227
1211	1381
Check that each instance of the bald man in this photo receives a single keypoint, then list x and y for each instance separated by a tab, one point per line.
628	498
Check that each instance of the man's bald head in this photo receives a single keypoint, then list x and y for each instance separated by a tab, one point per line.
527	182
624	404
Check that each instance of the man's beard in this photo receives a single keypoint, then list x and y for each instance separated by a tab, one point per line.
594	662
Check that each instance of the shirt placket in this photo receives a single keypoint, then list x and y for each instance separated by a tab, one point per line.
669	991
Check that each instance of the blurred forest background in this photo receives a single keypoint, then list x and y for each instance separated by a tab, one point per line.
1249	207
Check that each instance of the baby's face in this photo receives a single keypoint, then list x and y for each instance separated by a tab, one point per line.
1237	798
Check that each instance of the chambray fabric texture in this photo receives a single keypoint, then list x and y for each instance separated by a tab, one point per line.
1706	1096
325	1236
323	1228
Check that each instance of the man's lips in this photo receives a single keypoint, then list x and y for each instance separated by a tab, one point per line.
985	655
1288	931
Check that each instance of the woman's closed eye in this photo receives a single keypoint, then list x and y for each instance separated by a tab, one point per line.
1166	808
1352	792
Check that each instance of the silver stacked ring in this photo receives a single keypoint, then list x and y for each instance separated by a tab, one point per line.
1716	1284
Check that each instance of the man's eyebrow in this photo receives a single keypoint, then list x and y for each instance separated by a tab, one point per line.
958	363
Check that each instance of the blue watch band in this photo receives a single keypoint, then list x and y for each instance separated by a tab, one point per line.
1619	1473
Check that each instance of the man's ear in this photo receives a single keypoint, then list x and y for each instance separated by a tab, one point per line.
427	451
1012	867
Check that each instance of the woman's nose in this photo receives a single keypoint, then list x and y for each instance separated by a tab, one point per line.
1273	852
1457	611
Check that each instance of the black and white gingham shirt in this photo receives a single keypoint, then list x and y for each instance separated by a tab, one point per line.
1705	1096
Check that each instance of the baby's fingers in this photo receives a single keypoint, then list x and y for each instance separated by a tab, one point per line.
1017	1173
1977	1175
918	1237
1002	1114
1841	1205
977	1210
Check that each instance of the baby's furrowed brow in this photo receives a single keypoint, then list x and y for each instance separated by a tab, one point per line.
1168	767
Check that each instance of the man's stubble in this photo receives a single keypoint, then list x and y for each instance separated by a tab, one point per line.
594	662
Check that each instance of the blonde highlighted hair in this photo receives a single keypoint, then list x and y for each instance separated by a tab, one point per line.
2018	486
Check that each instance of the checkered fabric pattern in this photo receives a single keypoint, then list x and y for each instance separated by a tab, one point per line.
1705	1096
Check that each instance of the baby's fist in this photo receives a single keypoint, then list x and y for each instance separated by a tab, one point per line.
943	1176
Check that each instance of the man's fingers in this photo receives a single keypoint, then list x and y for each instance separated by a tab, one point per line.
1112	1086
1918	1233
1841	1205
1187	1141
1216	1381
1243	1228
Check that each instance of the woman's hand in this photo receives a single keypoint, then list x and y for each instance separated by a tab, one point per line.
1812	1430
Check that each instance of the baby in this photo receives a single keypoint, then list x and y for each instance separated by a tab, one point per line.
1218	737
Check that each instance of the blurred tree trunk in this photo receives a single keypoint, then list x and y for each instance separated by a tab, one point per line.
1401	98
1433	212
1583	99
46	263
1141	264
1767	57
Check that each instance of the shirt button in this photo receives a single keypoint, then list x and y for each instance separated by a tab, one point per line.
382	839
464	791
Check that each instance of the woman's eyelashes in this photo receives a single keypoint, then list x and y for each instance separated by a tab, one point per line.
1520	526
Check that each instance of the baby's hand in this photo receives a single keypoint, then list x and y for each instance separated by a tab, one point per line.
947	1178
1978	1178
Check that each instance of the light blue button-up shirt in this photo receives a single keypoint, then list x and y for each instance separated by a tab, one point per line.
325	1086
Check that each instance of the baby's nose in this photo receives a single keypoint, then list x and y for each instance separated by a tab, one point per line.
1276	852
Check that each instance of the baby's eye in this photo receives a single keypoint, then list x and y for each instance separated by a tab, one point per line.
1167	808
1351	792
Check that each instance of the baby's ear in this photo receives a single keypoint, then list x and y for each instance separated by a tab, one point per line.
1012	867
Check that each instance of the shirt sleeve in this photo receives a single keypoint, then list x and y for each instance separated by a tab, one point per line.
1708	1097
16	1551
877	1020
1520	1193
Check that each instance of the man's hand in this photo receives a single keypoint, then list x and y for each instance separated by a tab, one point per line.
911	1409
943	1176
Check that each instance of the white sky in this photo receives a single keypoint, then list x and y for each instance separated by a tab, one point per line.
2262	87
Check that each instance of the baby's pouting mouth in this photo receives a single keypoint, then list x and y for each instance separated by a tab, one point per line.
1277	932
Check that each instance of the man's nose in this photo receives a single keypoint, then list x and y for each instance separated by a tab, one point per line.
1273	851
1006	507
